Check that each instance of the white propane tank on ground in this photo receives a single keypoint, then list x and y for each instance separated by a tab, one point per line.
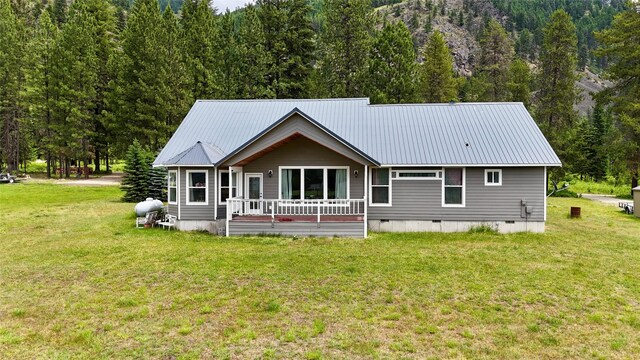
149	205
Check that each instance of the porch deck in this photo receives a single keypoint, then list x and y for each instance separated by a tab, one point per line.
328	218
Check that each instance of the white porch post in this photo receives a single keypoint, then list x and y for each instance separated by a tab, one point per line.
228	216
215	193
179	190
365	203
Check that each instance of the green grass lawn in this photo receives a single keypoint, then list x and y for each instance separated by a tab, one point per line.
77	280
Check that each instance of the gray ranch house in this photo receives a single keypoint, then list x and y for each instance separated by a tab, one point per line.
343	167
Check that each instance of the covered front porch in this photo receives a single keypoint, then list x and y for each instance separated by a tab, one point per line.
304	217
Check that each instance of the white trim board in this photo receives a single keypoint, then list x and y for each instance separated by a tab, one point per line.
464	189
370	185
175	202
324	180
206	188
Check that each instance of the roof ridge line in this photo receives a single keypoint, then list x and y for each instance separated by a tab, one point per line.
283	100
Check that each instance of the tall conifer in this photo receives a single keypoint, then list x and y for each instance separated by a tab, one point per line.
436	72
496	53
392	66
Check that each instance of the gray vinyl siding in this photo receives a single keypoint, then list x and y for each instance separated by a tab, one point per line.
325	229
296	125
195	212
300	152
422	199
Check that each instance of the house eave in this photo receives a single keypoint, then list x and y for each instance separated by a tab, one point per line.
306	117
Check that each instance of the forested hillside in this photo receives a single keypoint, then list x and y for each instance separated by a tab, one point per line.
79	81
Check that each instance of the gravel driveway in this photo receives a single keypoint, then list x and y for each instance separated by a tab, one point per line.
607	199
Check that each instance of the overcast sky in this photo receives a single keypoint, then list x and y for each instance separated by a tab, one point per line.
223	5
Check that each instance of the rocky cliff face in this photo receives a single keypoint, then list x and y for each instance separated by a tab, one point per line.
462	34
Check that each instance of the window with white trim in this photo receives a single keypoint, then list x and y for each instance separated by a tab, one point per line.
417	174
227	190
172	184
453	187
380	186
493	177
314	182
197	190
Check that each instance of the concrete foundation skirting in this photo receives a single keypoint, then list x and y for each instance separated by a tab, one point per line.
453	226
212	226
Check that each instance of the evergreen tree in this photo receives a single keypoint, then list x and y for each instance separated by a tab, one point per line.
158	178
392	66
436	72
103	34
177	95
77	80
621	47
524	45
289	41
254	71
475	88
519	84
135	182
148	97
40	89
202	46
496	53
230	58
10	82
346	43
59	11
557	79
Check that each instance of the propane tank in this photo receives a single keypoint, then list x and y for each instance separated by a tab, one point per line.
149	205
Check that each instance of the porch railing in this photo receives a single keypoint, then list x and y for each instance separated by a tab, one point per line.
273	208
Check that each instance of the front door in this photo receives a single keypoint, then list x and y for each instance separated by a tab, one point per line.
253	186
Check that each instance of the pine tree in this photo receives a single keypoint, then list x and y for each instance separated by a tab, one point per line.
202	46
519	84
158	178
346	43
59	11
557	78
392	67
77	80
103	34
289	41
10	82
496	53
40	89
230	58
254	71
436	72
621	47
135	182
524	45
147	100
177	95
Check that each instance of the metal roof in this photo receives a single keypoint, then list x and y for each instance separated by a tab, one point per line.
198	154
470	134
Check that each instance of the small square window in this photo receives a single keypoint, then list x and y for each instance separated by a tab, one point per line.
493	177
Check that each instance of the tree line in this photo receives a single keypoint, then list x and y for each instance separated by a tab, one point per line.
80	83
